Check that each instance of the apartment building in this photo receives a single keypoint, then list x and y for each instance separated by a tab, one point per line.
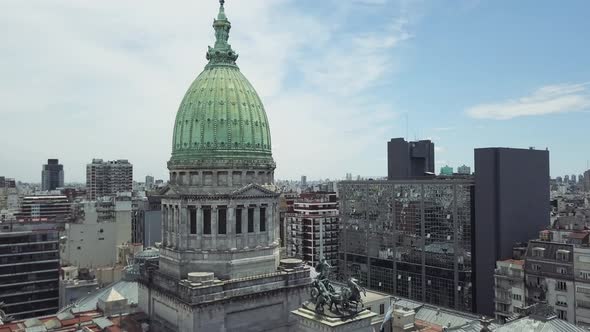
29	269
107	178
509	289
313	228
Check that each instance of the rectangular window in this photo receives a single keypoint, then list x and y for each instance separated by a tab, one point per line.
193	220
222	221
206	221
251	220
561	286
238	221
561	270
382	309
263	219
562	314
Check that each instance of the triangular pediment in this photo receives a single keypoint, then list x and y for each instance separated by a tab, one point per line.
254	190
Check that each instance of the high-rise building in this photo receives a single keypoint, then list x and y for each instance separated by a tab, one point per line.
149	182
313	228
587	180
29	269
559	179
409	159
303	181
573	178
511	205
108	178
219	267
412	238
581	179
464	170
566	179
52	175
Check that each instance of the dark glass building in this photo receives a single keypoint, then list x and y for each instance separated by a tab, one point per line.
29	270
406	160
52	175
412	238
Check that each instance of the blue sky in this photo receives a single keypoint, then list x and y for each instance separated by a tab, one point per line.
103	79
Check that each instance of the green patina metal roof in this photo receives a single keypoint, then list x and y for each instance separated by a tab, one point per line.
221	116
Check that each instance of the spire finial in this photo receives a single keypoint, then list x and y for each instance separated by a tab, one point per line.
221	53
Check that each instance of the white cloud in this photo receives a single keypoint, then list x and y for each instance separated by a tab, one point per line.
549	99
84	79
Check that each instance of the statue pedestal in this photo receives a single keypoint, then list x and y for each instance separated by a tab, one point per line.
310	321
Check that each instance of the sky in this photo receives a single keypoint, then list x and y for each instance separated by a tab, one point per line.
104	79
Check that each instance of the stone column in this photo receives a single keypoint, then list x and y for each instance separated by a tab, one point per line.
183	230
231	227
164	225
169	225
173	226
270	227
257	234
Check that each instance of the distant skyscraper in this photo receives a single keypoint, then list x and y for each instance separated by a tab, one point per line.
566	179
52	175
587	180
108	178
559	179
149	182
303	181
511	205
581	178
464	170
446	170
573	178
409	159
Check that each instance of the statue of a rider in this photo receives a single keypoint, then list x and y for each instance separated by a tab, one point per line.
323	268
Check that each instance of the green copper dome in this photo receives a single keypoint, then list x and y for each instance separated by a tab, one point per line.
221	118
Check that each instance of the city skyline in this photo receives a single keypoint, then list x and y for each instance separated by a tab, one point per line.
112	77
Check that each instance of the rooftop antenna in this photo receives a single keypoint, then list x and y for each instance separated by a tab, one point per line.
407	135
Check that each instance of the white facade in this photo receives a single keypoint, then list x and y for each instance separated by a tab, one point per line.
93	242
509	288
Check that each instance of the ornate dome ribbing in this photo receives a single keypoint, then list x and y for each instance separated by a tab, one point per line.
221	118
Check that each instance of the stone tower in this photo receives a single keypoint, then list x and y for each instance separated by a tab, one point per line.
219	264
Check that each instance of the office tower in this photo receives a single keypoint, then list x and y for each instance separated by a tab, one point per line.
559	179
29	269
587	180
464	170
581	179
412	238
108	178
149	182
45	208
409	159
511	205
566	179
219	267
52	175
573	178
303	181
313	228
